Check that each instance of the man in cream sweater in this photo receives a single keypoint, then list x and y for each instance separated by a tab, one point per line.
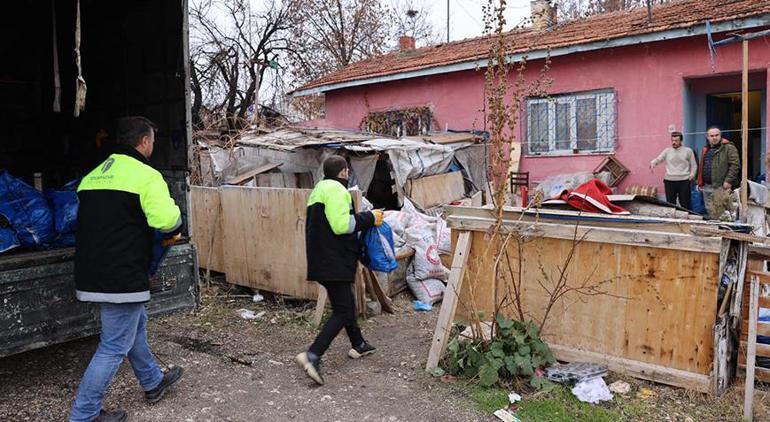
681	168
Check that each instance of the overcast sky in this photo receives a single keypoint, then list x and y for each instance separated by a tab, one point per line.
466	19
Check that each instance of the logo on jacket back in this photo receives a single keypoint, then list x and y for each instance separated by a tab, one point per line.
107	164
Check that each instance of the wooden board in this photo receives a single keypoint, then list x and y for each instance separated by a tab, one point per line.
651	372
207	230
751	347
448	310
596	233
264	239
243	178
441	189
285	180
658	306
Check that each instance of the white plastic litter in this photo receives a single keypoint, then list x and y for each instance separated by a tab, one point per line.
249	314
593	390
620	387
258	298
506	416
485	334
366	205
513	397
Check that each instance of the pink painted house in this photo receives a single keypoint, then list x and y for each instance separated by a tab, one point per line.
621	84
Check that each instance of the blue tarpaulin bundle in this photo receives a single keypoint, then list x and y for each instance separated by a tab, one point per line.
379	248
27	212
64	203
8	239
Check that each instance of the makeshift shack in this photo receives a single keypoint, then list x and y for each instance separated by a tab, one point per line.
251	220
655	298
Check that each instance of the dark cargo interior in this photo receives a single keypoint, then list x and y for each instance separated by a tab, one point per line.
133	64
133	61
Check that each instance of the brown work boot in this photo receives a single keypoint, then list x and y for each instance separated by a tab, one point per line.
112	416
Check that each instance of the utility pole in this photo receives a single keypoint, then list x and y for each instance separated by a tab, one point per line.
447	20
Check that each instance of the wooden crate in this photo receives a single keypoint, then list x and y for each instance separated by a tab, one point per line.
616	169
656	317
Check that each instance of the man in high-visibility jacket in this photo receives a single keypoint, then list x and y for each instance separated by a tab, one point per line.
332	255
122	203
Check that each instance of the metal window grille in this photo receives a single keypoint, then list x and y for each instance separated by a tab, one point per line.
584	122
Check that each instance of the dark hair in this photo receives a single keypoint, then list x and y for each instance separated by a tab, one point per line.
130	130
334	165
714	127
677	135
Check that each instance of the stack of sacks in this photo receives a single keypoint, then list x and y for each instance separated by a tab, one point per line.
428	236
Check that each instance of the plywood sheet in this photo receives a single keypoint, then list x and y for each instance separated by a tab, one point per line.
264	237
657	306
441	189
207	227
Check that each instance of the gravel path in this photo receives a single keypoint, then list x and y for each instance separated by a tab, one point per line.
239	370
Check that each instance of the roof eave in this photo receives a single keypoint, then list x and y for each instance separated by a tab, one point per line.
698	29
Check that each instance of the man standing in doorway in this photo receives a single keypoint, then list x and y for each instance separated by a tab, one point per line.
681	169
720	166
122	202
332	249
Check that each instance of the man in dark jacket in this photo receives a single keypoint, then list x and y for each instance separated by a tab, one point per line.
122	203
720	166
332	256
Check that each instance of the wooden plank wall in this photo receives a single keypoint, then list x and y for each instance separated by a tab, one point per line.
264	238
207	227
659	309
431	191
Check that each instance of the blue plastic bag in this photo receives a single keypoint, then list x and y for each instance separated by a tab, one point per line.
27	211
64	203
8	239
161	243
696	200
380	251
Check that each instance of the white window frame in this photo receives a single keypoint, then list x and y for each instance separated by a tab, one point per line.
605	142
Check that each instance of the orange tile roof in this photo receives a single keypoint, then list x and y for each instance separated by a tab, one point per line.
603	27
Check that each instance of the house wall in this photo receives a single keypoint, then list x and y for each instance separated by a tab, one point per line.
649	81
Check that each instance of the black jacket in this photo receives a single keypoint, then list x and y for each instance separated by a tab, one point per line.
331	233
122	203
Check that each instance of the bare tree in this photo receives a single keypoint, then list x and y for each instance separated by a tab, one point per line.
232	48
412	19
330	34
574	9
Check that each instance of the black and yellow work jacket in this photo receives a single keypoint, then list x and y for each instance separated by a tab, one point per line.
122	202
331	242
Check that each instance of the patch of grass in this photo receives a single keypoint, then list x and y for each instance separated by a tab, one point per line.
489	399
561	406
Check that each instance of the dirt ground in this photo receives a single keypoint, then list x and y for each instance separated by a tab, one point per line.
241	370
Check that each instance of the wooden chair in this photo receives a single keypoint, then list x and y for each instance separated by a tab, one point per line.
520	179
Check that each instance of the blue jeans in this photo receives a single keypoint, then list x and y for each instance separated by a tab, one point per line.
124	334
